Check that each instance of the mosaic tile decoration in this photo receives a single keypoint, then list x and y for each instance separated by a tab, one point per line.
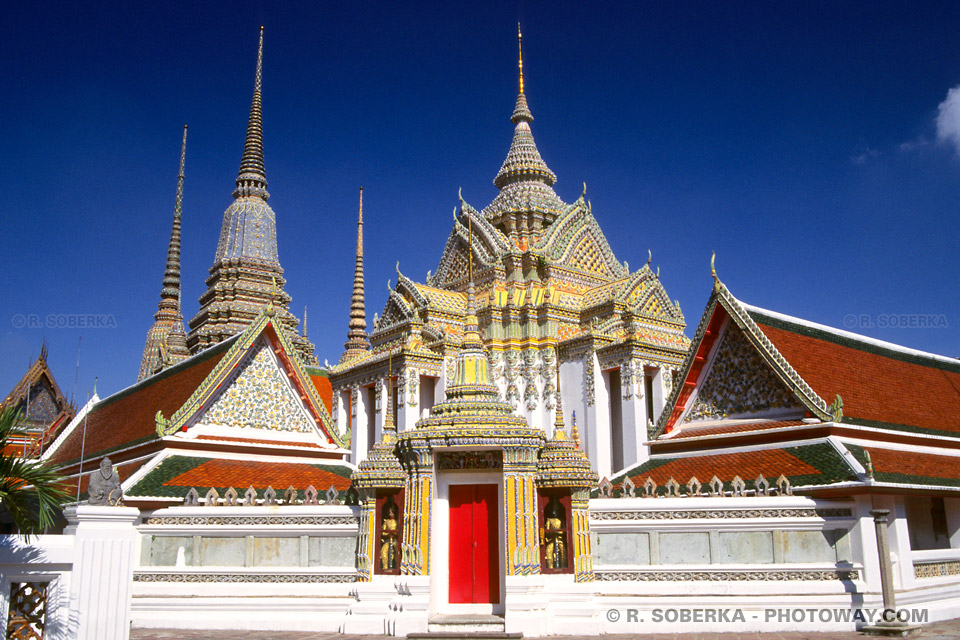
260	397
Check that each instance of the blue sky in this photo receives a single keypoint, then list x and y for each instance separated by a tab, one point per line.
799	140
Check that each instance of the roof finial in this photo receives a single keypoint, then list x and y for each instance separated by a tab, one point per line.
470	256
713	269
520	47
252	179
357	326
388	423
558	423
574	432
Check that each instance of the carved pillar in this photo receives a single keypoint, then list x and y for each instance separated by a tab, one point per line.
580	529
415	548
520	501
366	537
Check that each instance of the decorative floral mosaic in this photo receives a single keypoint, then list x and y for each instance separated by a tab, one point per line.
740	382
260	397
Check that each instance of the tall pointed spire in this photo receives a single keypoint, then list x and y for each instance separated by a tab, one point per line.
357	341
159	351
246	264
252	178
523	162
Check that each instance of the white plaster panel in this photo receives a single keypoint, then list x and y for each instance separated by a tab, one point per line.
744	547
686	547
276	552
223	552
808	546
621	548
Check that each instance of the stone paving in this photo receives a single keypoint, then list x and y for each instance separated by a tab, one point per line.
949	630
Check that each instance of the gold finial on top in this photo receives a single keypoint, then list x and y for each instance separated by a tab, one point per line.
520	47
713	269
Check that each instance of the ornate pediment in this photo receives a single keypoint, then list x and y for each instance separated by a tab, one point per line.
740	383
259	396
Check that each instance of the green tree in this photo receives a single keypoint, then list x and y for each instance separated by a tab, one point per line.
31	491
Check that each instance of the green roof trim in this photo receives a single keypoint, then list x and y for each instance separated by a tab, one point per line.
153	484
893	426
846	341
900	478
821	456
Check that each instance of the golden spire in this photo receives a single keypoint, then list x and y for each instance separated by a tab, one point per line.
520	47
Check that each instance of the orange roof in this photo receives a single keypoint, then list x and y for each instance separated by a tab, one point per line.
914	467
325	389
175	475
804	465
876	383
129	416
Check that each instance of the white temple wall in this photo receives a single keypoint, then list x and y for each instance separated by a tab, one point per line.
289	567
767	557
952	508
572	391
408	403
634	416
597	418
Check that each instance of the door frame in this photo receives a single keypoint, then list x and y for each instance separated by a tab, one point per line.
440	544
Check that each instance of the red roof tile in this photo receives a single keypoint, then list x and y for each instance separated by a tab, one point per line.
746	464
325	389
912	463
875	384
259	475
130	415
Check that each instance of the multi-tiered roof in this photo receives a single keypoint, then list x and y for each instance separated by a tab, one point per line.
246	275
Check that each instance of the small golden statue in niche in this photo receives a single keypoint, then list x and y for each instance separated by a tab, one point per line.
389	544
554	535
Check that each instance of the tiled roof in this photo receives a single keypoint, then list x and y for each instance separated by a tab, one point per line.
690	430
910	467
175	475
324	388
813	464
879	386
129	416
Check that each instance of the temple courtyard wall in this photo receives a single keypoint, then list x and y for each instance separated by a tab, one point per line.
669	564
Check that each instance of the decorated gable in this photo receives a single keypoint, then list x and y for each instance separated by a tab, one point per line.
740	384
259	396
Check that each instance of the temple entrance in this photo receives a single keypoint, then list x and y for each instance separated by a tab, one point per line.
474	564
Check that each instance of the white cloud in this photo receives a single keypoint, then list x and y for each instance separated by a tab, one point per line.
948	119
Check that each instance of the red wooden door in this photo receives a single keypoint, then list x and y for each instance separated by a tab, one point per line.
474	561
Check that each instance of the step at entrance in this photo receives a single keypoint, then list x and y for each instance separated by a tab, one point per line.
465	626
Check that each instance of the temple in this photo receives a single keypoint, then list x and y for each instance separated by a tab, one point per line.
166	340
524	444
246	274
44	408
551	296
